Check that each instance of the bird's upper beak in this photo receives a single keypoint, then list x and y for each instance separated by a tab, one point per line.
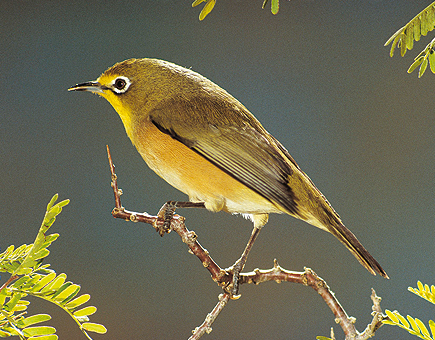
91	86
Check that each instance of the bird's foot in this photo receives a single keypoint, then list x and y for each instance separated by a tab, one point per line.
167	212
233	287
162	224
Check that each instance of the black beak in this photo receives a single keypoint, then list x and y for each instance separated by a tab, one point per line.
91	86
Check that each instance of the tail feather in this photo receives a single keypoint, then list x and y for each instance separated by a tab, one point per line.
357	249
312	207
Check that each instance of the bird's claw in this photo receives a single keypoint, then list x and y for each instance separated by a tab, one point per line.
164	218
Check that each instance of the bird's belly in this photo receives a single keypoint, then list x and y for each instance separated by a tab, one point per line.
192	174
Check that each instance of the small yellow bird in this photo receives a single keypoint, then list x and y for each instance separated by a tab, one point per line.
204	142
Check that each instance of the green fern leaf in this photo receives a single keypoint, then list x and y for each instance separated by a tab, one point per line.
94	327
423	328
432	68
4	334
41	330
207	8
78	301
6	253
197	2
32	320
402	320
44	337
421	24
432	328
392	316
21	281
43	282
13	301
275	6
423	67
67	294
424	291
413	324
54	285
85	311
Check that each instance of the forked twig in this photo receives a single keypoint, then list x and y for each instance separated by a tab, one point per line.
257	276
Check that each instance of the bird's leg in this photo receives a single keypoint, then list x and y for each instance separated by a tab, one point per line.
167	211
237	267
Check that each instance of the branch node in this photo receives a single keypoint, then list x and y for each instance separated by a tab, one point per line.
275	264
219	278
133	218
332	334
376	302
304	276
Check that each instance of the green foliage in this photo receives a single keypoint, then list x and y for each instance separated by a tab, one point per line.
427	56
424	291
414	325
420	25
208	7
274	6
30	278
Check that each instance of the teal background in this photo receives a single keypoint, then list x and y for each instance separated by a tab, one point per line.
319	79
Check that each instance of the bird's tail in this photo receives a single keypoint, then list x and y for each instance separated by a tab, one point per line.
307	203
356	248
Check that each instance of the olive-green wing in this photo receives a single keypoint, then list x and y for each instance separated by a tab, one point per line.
234	141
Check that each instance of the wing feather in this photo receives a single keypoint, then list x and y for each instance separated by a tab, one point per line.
240	146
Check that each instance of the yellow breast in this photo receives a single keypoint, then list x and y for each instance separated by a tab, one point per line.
194	175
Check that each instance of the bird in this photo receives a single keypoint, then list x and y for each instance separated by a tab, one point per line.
207	144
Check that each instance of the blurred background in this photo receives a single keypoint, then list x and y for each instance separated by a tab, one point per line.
319	79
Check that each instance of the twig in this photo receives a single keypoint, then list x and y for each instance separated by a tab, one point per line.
378	317
308	277
189	237
11	279
210	318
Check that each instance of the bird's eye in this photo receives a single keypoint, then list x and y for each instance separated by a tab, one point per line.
121	85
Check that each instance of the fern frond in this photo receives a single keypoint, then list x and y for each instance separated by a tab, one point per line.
421	24
274	7
413	326
207	8
32	278
54	289
425	58
39	250
424	291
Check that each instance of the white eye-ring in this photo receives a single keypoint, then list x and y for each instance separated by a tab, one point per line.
120	85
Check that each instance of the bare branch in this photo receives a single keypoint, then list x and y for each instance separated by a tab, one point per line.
210	318
223	278
378	316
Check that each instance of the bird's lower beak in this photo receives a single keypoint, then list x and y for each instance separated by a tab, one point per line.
91	86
